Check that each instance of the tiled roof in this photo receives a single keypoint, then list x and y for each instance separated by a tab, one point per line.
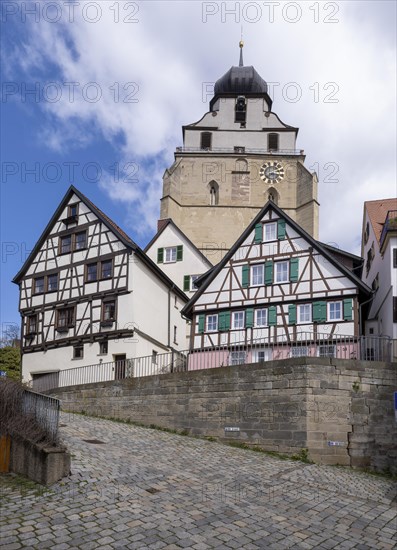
377	212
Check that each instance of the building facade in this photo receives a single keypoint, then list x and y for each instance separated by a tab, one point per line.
233	160
89	295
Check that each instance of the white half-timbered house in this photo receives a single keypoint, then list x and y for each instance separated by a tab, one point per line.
90	295
277	293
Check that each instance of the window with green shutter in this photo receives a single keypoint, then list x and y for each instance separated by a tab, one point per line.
179	253
258	233
268	273
201	323
272	316
319	312
245	276
160	255
224	321
292	314
281	229
186	283
348	309
294	269
249	318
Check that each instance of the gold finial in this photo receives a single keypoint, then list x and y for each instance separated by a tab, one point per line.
241	44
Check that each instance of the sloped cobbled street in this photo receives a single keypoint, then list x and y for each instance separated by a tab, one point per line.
133	487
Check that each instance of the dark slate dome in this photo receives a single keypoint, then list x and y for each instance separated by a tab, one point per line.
240	81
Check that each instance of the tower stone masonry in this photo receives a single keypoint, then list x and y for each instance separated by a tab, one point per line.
233	160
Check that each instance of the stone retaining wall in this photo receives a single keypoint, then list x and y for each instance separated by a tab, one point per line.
341	411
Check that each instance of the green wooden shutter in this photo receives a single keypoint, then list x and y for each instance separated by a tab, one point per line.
245	276
224	321
281	229
201	320
249	318
292	314
268	273
179	253
294	269
258	233
319	312
348	309
160	255
186	283
272	316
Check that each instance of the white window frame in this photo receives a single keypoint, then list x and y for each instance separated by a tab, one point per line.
266	355
273	228
256	324
170	254
276	276
241	316
329	349
207	323
303	321
237	357
192	287
254	267
340	318
299	351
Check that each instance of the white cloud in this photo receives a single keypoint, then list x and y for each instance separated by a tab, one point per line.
170	52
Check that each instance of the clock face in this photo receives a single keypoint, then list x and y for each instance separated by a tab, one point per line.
272	172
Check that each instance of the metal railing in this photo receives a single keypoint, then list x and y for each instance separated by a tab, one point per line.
389	225
240	150
43	409
303	344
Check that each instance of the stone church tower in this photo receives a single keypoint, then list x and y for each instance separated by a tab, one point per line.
233	160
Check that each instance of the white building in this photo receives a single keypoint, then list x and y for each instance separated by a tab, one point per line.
89	295
379	250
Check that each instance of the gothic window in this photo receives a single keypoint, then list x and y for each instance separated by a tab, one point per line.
206	140
240	109
241	165
272	143
214	193
273	195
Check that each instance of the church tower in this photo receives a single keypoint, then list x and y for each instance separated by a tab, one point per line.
233	160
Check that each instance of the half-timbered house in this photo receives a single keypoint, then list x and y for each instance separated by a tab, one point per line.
277	293
89	294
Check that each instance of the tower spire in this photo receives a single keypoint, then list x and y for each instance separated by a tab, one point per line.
241	44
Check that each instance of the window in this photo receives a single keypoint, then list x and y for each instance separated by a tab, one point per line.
193	278
273	195
240	109
205	140
261	318
375	283
282	269
370	257
273	142
66	244
394	309
394	257
305	313
170	254
257	275
237	357
78	352
31	324
92	272
212	323
300	351
106	269
154	357
366	233
73	210
103	347
109	311
175	334
39	285
335	311
327	351
269	231
261	356
52	283
238	319
80	240
65	318
213	196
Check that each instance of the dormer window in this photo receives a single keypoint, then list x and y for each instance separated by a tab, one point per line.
272	144
206	141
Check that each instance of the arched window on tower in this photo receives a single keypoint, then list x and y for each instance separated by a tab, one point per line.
272	143
273	195
206	141
241	165
214	193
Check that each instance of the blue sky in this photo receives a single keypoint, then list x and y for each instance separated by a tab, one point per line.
139	70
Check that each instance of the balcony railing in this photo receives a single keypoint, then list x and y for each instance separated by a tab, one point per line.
240	150
389	225
366	348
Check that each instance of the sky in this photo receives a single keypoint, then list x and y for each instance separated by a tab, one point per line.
95	94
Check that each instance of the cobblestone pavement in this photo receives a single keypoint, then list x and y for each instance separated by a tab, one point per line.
142	488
